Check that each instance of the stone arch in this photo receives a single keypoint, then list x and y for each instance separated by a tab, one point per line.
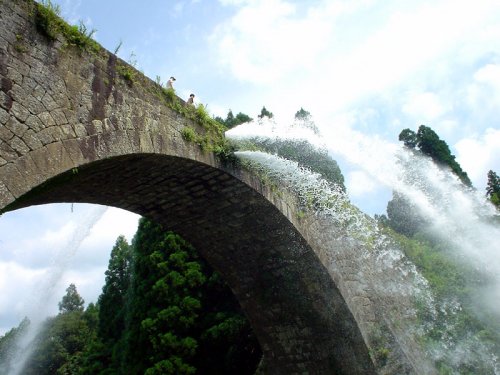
298	314
72	129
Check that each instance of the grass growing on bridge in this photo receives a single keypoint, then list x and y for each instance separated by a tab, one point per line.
50	24
211	136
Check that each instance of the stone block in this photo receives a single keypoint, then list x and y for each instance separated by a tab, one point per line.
31	140
6	196
15	184
6	152
19	146
16	127
52	159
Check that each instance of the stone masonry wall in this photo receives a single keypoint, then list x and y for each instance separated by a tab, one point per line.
72	129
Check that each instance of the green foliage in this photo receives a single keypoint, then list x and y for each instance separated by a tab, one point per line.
164	287
454	285
60	345
80	37
429	143
402	215
117	48
112	301
163	310
493	188
265	113
47	18
127	72
211	135
231	121
71	301
304	118
188	134
50	24
176	298
409	138
302	114
20	45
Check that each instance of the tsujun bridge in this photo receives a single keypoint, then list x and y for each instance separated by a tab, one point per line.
84	126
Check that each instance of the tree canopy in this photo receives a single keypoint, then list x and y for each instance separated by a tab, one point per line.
493	188
429	143
231	120
72	301
265	113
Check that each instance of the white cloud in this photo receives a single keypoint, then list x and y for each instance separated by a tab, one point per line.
483	93
47	260
425	107
489	74
266	40
327	55
358	183
478	154
17	284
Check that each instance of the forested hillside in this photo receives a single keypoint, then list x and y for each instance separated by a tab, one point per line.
458	286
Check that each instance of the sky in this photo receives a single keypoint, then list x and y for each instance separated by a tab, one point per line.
364	69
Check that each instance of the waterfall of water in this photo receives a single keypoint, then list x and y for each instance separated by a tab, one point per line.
455	215
45	290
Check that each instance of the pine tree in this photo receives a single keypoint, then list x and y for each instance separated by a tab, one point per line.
265	113
72	301
429	143
183	319
493	188
112	301
402	215
62	339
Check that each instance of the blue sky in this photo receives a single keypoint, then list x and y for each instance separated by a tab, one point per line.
365	69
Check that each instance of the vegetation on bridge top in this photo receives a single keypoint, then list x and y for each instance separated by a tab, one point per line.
211	137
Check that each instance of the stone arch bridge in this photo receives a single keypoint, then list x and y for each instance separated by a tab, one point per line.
80	126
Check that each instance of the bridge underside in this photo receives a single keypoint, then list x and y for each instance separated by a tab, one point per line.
301	320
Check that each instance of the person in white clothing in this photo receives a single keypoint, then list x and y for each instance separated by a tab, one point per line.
170	83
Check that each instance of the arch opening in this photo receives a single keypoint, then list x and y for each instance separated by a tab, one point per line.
299	316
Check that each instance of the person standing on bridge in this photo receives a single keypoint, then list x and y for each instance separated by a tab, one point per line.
190	101
170	83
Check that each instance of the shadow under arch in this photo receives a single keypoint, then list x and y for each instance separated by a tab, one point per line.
298	314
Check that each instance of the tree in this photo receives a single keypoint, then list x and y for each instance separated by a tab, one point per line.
112	301
164	303
403	216
60	344
493	188
303	118
183	318
429	143
409	138
72	301
231	121
302	114
265	113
